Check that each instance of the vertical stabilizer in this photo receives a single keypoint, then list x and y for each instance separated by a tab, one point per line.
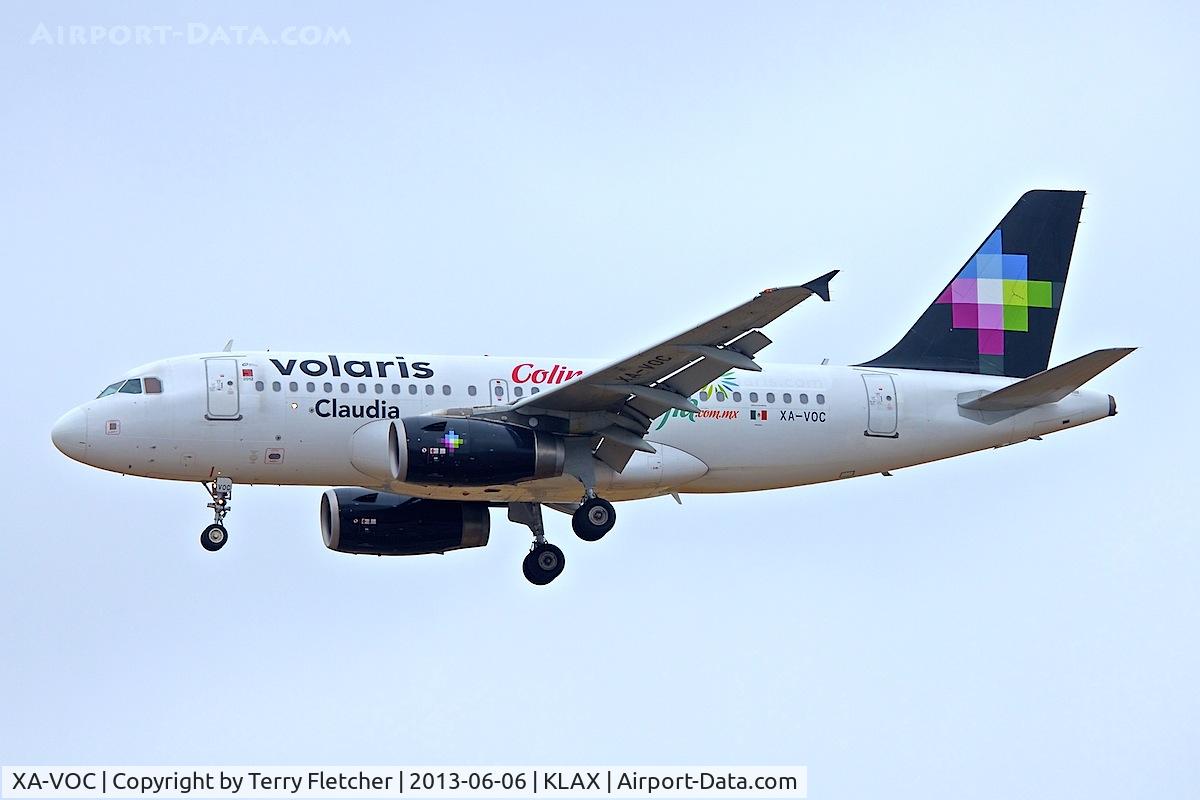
998	315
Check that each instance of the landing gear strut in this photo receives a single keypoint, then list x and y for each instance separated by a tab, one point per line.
544	562
594	518
213	537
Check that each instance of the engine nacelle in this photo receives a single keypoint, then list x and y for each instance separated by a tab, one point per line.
461	451
367	522
375	450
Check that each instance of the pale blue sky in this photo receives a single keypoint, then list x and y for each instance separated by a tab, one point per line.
580	179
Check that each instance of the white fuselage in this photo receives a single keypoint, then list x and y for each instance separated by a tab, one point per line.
286	418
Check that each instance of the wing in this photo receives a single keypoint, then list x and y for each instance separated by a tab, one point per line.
618	402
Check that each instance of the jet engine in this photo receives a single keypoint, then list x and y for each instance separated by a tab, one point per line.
375	450
460	451
367	522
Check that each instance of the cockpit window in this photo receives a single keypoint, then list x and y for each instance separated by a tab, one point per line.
133	386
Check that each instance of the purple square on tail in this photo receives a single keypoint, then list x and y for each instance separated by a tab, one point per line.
965	316
991	342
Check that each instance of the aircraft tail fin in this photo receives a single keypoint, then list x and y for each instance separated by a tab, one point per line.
998	315
1049	386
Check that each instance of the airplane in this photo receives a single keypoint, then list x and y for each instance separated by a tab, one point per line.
422	447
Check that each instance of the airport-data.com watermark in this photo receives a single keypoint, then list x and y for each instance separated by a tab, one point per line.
191	33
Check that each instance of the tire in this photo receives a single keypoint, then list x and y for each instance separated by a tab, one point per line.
543	564
213	538
593	519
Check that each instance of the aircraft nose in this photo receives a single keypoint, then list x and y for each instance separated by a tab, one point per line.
69	434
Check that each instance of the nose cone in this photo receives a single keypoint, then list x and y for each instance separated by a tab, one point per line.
69	434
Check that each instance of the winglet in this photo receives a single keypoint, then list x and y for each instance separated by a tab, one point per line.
820	286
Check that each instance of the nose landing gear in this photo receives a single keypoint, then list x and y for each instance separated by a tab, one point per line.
214	537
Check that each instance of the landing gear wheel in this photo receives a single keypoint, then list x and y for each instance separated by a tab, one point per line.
544	563
214	537
594	518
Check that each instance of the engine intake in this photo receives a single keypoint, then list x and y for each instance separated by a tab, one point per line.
460	451
367	522
375	450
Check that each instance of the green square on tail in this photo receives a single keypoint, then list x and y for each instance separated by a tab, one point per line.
1016	293
1016	318
1041	294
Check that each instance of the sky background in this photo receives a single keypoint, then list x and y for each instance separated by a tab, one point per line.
584	179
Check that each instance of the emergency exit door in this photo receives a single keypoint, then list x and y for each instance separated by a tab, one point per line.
882	407
222	374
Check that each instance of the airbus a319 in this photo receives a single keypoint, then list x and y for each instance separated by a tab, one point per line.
424	447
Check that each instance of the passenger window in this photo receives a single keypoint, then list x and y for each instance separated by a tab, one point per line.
110	389
362	388
395	388
379	388
345	388
471	390
311	387
820	399
293	387
259	386
429	388
412	388
534	390
153	385
499	391
445	390
275	387
787	397
518	391
132	386
721	397
754	397
803	398
704	396
770	397
328	387
737	397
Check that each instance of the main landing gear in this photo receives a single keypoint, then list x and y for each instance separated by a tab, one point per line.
544	561
213	537
594	518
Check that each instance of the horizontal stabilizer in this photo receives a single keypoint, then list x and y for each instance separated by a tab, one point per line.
1049	386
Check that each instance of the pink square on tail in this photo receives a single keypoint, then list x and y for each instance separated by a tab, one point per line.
991	343
964	290
991	317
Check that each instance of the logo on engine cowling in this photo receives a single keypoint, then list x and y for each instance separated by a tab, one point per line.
452	441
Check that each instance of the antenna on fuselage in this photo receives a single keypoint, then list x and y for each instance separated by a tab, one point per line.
228	347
